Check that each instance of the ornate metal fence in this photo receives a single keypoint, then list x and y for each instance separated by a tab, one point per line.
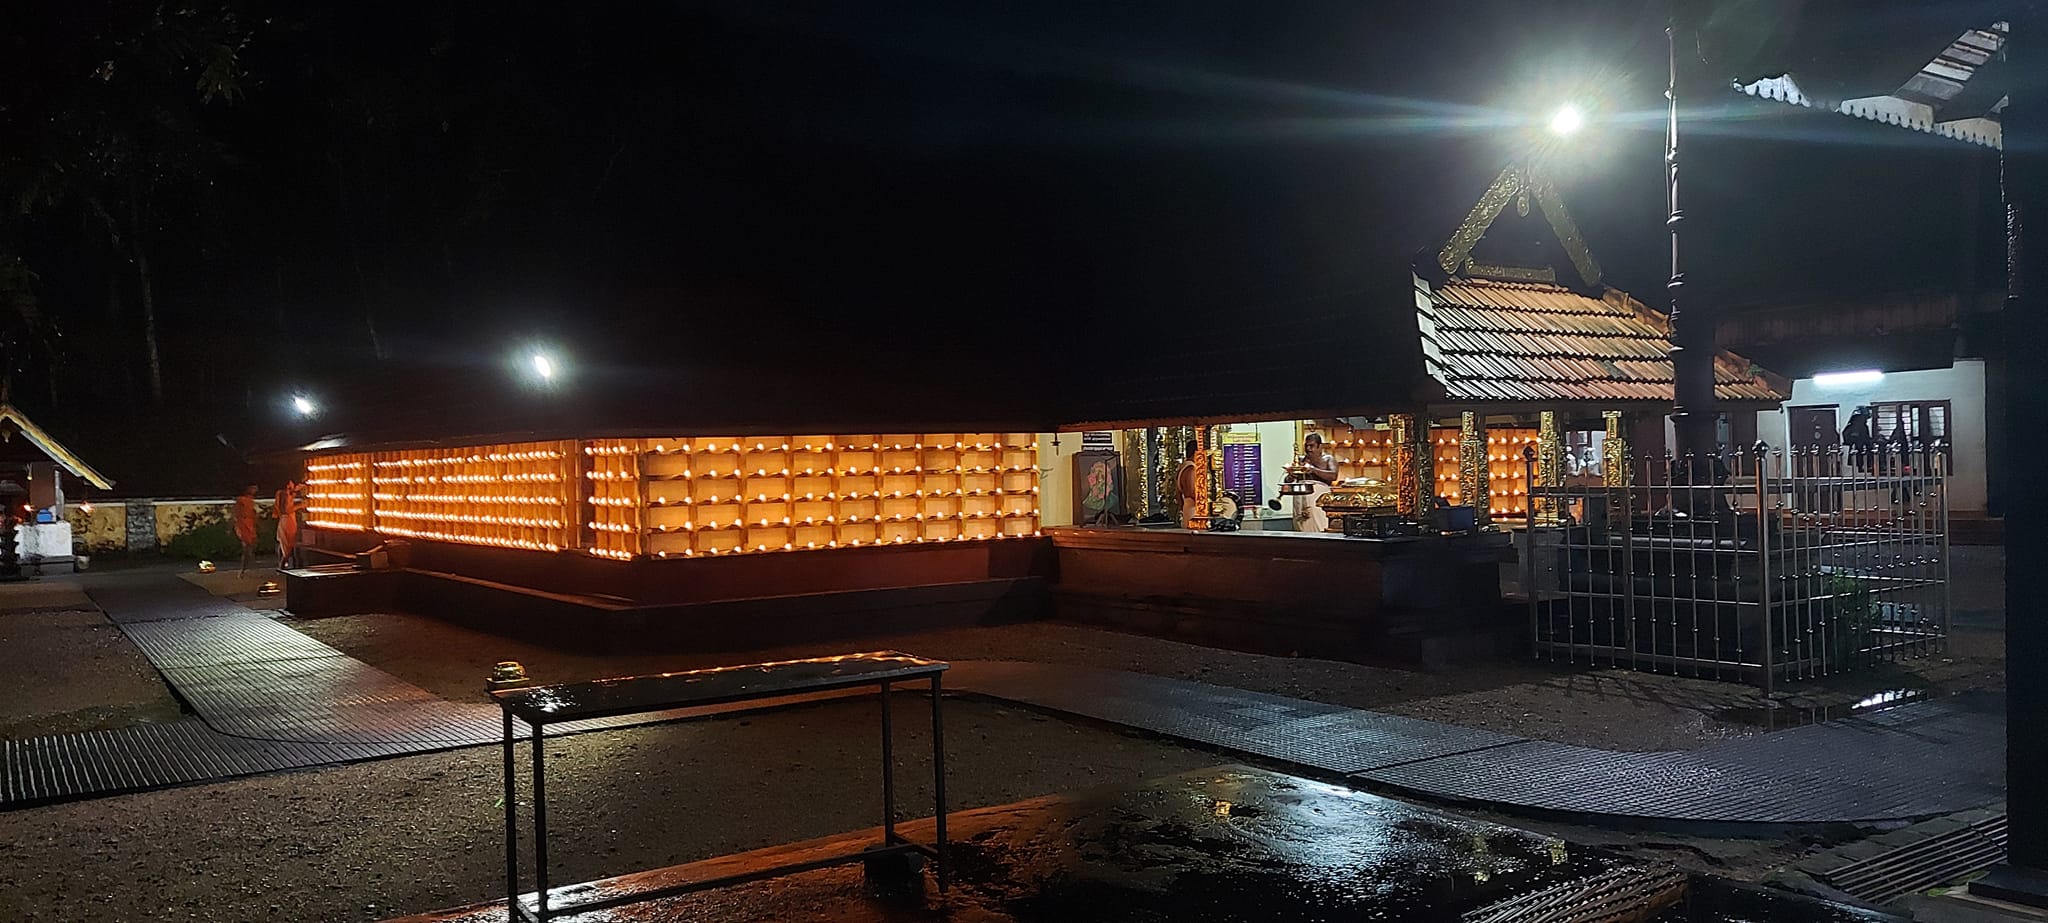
1762	567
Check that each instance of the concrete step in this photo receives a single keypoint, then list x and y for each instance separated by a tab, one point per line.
1975	529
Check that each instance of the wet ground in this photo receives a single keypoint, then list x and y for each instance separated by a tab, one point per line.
1229	843
370	840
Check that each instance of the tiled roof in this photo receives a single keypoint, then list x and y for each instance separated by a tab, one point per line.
1532	341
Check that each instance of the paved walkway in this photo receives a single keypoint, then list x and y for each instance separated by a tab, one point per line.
1917	760
267	697
264	698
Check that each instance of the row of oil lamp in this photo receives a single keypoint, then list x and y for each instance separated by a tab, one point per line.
1490	475
1386	441
811	546
663	500
1490	440
523	522
486	519
625	555
957	446
491	458
712	524
511	499
494	542
759	446
827	472
531	477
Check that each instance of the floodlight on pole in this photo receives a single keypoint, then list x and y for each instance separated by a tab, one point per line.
1567	121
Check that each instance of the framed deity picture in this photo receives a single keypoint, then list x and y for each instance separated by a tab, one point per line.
1098	487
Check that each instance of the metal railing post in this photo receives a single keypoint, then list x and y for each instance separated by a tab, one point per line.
1947	594
1529	553
1763	557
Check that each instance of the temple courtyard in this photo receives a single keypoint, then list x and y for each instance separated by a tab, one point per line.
179	747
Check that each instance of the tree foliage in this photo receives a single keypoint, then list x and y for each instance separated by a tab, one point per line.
103	123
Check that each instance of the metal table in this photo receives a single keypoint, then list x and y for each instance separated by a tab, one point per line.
540	706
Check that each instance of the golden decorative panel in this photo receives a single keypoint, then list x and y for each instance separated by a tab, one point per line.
1614	455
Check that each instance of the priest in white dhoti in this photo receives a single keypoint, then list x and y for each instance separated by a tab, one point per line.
1319	470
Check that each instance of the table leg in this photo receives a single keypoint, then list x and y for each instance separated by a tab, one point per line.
939	779
888	772
511	829
540	824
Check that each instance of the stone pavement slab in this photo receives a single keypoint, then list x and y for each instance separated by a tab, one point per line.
1918	760
45	595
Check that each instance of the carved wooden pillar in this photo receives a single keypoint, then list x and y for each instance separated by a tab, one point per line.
1472	484
1615	463
1549	468
1137	467
1211	475
1411	457
1166	474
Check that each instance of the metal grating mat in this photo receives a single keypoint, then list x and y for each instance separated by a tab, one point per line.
1355	741
146	596
175	643
267	698
1918	857
66	767
327	700
1622	895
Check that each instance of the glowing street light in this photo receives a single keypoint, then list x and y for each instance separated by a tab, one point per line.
1848	379
539	365
1567	121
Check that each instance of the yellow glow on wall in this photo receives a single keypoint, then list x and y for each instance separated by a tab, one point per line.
696	496
338	492
707	496
505	496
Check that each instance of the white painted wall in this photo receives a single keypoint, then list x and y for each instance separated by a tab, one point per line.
49	540
1277	449
1056	477
1962	385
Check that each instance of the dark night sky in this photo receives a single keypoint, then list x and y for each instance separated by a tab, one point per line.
719	210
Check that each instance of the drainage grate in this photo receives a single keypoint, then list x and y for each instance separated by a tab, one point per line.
1935	860
1623	895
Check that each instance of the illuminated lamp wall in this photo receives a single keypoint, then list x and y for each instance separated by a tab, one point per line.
338	492
690	496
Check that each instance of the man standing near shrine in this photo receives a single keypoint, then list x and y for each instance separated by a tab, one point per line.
286	508
245	524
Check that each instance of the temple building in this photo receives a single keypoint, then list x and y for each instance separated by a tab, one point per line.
1535	373
39	480
1504	343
